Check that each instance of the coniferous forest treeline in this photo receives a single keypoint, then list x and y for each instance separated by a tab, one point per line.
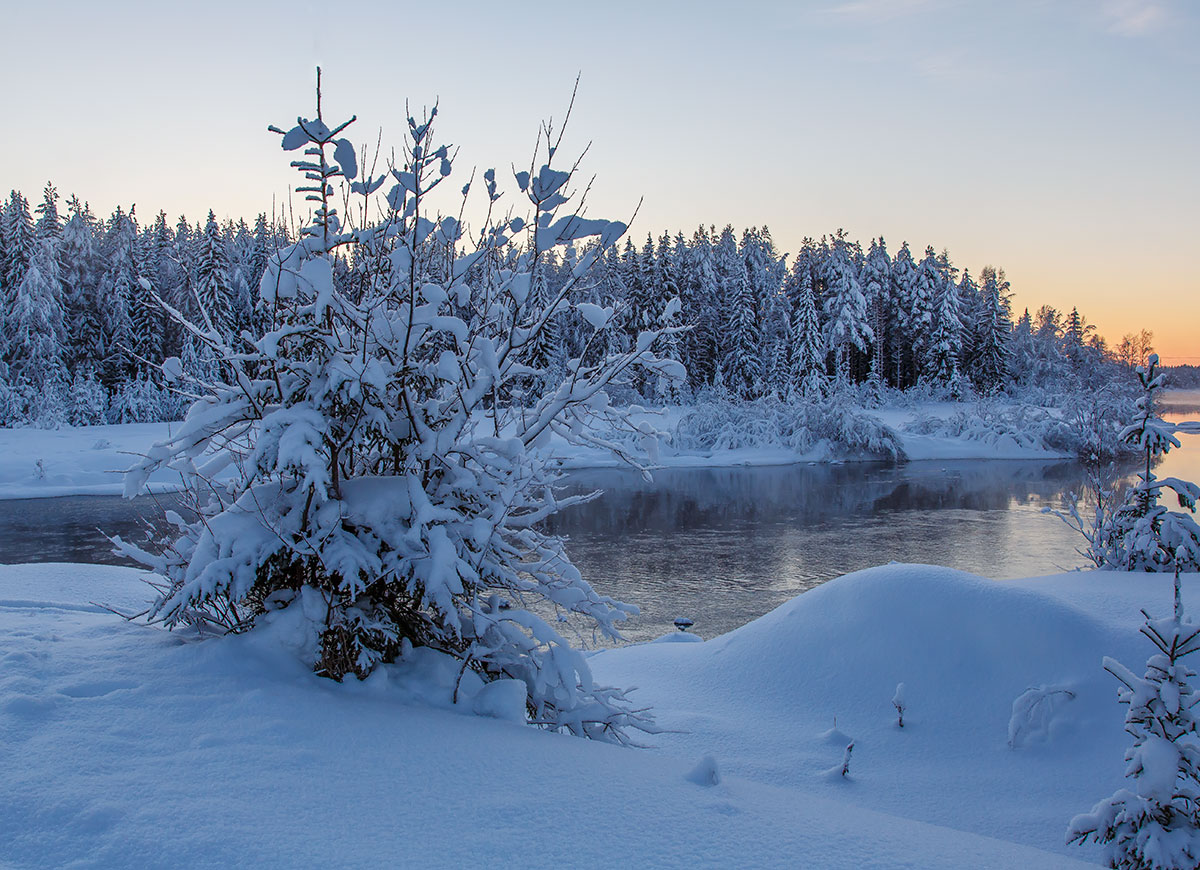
84	335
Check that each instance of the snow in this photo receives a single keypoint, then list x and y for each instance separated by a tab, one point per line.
142	748
965	649
90	460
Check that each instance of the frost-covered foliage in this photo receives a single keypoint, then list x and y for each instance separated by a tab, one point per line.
1145	535
995	423
761	321
1033	712
1087	427
799	425
1130	530
382	441
1156	822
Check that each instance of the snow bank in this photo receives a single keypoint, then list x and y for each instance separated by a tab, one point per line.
88	460
91	460
139	749
765	697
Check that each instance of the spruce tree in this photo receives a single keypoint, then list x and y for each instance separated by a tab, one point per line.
741	367
1155	823
912	316
115	297
37	370
81	269
846	326
373	505
994	333
213	291
701	309
945	344
877	286
808	342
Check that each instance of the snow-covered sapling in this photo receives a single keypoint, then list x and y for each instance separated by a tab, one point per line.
899	704
1032	712
846	758
1155	823
380	461
705	772
1145	535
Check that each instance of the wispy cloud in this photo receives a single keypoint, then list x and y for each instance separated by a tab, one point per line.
1135	17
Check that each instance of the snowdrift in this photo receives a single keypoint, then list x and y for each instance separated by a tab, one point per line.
126	746
779	698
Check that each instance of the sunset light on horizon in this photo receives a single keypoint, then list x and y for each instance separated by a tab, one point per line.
1054	140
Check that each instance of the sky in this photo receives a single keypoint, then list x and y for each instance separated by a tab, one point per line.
1056	139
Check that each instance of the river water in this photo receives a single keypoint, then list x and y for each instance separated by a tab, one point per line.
723	546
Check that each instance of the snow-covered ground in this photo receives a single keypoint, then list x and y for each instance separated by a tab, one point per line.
122	745
91	460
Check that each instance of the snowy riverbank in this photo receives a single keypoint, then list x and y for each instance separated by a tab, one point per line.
43	463
116	732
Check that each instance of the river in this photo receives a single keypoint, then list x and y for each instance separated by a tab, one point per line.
723	546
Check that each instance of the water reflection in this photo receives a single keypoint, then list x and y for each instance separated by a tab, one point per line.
724	546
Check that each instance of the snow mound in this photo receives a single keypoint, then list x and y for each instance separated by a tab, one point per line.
122	731
964	647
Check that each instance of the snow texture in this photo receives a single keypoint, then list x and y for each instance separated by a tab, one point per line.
123	731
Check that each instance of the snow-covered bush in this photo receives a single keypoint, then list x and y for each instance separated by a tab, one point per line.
1156	822
1088	429
799	425
139	400
1131	531
381	455
1145	535
1033	712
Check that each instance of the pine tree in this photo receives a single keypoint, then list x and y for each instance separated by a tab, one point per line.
846	325
945	344
145	314
48	225
16	233
741	366
765	281
18	242
927	293
213	290
1154	824
81	269
970	315
372	486
117	288
1145	535
808	355
877	287
37	370
990	362
913	316
701	309
88	400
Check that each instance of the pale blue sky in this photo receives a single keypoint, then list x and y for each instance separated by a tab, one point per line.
1055	138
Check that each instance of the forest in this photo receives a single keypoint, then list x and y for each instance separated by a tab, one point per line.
84	306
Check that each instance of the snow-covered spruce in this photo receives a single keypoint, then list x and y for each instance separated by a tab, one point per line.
384	440
1145	535
1156	824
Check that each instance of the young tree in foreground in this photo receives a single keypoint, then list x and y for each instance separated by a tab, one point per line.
1145	535
1141	534
1155	823
386	492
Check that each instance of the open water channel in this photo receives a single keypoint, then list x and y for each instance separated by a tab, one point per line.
723	546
